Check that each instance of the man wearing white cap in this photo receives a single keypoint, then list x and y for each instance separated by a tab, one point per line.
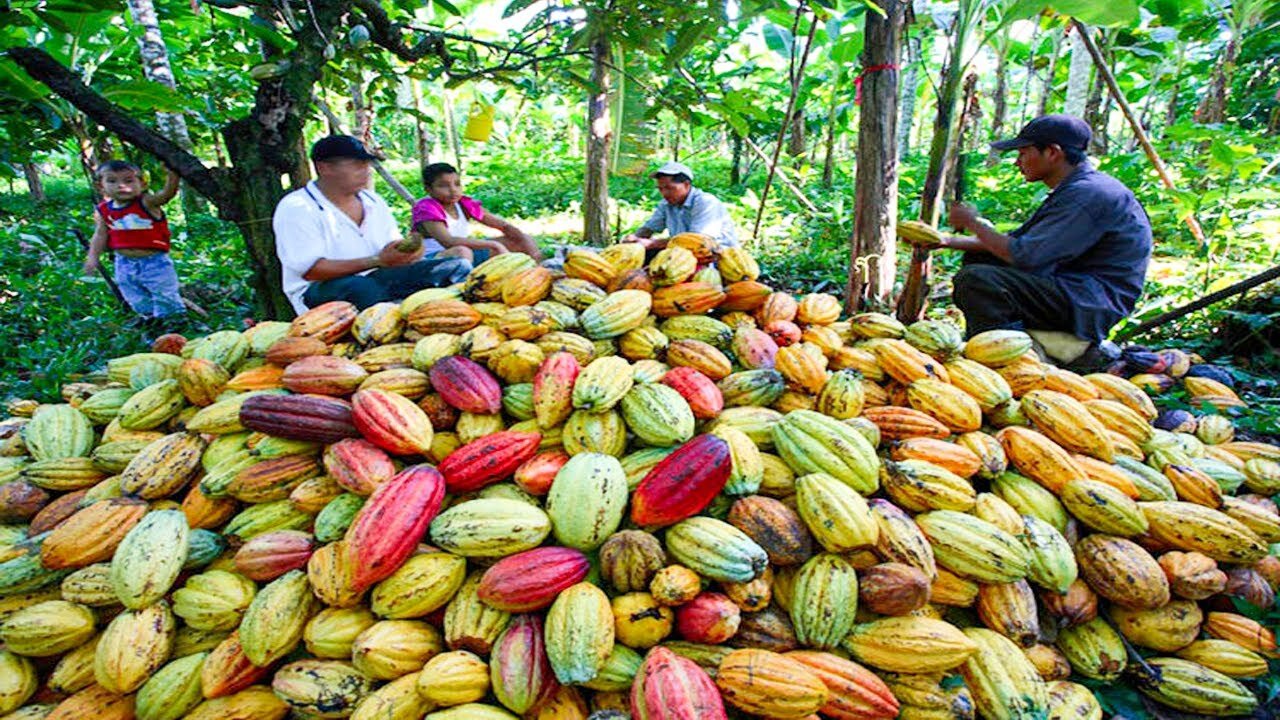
684	208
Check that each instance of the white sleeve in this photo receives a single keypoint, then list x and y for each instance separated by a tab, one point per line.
299	234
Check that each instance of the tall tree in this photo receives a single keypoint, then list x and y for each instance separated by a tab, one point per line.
156	68
968	17
873	248
1240	16
910	88
595	198
1046	88
1001	94
1077	77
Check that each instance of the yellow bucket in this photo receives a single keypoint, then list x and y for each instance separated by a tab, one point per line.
479	122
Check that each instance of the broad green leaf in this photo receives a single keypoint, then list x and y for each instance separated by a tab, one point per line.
447	7
1112	12
779	39
15	81
145	95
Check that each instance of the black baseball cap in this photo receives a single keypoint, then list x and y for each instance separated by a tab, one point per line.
1066	131
340	146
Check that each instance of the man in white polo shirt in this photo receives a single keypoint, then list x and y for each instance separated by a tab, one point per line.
684	208
336	239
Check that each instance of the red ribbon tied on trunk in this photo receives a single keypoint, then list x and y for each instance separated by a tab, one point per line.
857	82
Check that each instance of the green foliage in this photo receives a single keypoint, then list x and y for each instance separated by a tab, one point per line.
55	326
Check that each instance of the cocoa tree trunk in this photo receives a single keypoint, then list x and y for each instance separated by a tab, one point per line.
156	68
735	170
35	186
451	126
943	143
595	202
361	113
796	133
873	248
421	133
829	162
1077	78
1171	112
1213	108
912	46
1046	90
1030	70
1001	107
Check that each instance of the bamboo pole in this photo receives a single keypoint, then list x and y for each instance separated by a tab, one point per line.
1192	223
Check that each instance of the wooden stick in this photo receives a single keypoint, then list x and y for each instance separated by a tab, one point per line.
386	175
1101	64
1204	302
796	78
795	190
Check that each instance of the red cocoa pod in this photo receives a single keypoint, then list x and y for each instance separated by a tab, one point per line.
227	671
536	474
783	332
358	465
327	322
682	483
52	515
20	501
530	581
169	344
392	522
288	350
670	687
893	589
518	666
392	422
442	415
466	385
700	391
709	618
487	460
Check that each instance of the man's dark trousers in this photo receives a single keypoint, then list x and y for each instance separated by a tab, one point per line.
386	284
993	295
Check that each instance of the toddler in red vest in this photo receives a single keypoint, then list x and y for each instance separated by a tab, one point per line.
131	224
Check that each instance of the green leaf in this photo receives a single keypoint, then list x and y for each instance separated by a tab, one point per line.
146	95
15	81
1025	9
1113	12
447	7
778	39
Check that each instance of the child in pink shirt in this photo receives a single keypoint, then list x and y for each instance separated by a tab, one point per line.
443	219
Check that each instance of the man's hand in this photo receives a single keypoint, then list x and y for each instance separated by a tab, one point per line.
646	243
963	216
389	256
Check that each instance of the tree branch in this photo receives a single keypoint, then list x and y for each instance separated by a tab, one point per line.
42	67
386	34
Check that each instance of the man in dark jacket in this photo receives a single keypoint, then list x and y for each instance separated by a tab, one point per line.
1076	266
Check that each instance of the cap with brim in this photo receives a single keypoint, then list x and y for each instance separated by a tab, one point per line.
1011	144
673	168
1065	131
340	146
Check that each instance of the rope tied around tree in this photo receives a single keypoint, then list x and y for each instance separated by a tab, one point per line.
857	82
